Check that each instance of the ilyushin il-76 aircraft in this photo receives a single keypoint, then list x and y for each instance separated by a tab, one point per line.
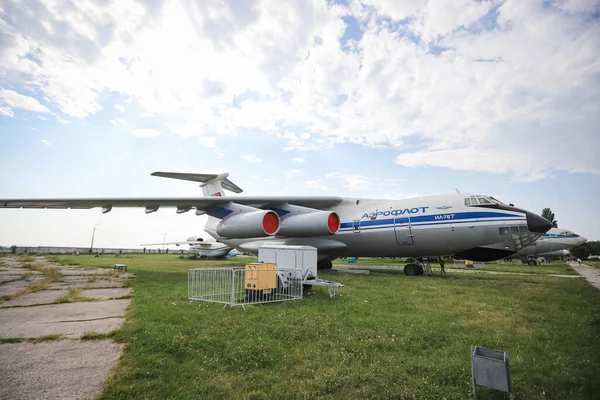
469	226
554	243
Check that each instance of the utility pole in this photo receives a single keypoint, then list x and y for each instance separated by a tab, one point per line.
93	233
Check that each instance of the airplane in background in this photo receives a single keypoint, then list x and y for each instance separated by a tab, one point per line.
474	227
199	248
554	243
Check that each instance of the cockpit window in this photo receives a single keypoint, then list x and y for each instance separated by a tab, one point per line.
496	200
571	233
481	200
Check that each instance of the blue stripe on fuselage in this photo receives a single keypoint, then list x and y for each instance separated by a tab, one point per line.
437	218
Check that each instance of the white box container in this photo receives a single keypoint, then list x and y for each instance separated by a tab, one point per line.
303	258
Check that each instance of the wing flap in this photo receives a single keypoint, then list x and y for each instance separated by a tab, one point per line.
200	203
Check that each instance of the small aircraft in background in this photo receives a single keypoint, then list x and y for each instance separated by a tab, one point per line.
554	243
200	248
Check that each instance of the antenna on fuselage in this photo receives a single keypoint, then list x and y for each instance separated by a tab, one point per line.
457	191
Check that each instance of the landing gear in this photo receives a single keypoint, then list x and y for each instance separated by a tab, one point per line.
324	264
531	262
413	269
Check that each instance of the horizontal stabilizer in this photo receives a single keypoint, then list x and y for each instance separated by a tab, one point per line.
202	178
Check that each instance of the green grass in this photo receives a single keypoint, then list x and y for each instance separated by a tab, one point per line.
93	335
555	267
386	336
595	264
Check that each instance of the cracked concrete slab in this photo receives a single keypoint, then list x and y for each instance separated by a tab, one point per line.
19	271
62	369
69	319
10	288
7	278
591	274
74	279
41	297
100	283
98	271
105	294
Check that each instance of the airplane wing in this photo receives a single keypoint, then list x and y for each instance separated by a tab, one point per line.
182	204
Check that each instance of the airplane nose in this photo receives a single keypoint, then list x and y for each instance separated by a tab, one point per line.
537	224
581	240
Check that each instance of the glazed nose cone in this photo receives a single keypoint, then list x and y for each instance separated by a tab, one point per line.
537	224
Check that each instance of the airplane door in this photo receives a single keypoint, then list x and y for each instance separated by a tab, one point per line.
356	226
403	231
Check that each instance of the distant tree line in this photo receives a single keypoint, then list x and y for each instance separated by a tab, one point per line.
585	249
549	215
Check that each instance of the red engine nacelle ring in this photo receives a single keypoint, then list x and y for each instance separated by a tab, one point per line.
270	223
333	222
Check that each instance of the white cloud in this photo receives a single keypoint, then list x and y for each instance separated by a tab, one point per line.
119	108
208	142
298	159
353	182
118	120
470	84
290	173
42	118
62	120
315	184
361	182
47	143
145	133
220	154
252	159
9	99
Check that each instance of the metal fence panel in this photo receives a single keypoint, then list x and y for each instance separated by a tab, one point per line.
234	286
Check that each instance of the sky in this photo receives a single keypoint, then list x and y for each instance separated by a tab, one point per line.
357	98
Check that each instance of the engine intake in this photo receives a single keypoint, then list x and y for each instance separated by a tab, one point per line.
318	223
249	224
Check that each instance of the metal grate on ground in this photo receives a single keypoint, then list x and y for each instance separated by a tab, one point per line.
231	286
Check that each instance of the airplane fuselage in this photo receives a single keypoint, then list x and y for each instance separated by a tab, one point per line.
556	242
432	226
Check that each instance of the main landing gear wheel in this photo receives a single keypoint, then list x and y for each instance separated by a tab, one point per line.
411	269
532	262
324	265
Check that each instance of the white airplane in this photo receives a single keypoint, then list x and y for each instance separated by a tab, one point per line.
473	227
199	248
554	243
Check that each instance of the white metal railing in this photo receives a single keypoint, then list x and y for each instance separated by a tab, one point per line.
236	286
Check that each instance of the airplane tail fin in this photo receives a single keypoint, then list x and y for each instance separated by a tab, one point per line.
211	184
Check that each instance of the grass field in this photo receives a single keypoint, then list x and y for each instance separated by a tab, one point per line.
595	264
555	267
386	336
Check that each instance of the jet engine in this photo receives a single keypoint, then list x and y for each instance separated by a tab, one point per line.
249	224
195	239
317	223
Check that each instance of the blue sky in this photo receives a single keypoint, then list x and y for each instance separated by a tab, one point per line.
375	98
